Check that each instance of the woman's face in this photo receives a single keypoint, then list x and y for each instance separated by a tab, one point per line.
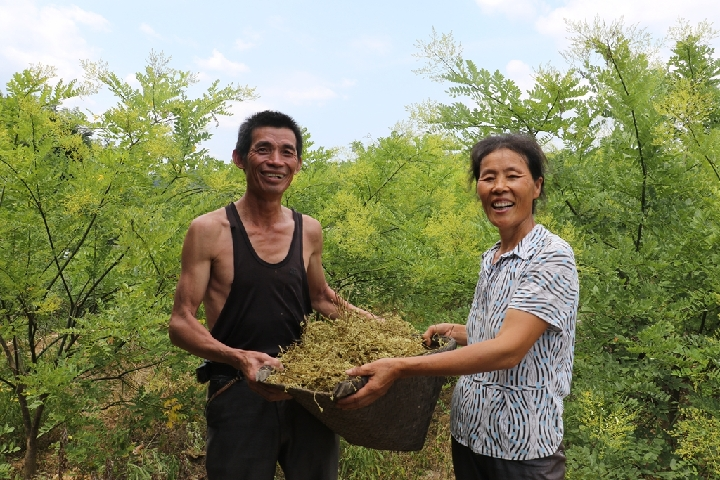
507	190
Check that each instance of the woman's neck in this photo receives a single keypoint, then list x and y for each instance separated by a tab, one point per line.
510	239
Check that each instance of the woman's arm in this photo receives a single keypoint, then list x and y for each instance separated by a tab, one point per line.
519	331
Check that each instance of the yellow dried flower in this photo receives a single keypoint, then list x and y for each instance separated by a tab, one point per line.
330	347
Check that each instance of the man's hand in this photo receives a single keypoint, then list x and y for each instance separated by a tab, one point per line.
382	374
271	393
250	364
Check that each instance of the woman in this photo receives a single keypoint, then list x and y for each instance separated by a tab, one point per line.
517	355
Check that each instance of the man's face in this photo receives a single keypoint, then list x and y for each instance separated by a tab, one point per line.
272	161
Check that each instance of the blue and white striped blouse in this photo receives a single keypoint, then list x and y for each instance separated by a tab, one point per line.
516	414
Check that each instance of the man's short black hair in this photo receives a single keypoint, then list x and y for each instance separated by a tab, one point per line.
267	118
524	145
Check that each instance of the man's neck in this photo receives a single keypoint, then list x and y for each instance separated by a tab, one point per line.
260	212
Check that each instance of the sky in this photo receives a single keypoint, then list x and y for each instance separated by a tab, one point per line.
344	70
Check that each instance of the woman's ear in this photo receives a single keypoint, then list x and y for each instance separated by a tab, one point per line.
538	186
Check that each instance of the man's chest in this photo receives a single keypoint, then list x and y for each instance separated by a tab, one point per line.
253	248
271	247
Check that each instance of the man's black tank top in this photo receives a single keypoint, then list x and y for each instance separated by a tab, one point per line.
267	302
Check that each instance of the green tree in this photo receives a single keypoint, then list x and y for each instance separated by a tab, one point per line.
401	225
497	104
88	238
634	186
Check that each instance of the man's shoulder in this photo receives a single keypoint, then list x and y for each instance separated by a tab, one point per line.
312	230
310	222
211	219
209	225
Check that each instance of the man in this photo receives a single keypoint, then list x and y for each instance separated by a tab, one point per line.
256	267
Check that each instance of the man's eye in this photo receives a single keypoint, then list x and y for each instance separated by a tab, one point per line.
262	150
288	153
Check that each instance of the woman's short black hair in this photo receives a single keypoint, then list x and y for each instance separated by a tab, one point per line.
524	145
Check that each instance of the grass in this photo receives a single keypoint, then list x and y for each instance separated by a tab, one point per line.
177	453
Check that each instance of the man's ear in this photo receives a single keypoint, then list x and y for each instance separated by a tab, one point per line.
299	165
237	160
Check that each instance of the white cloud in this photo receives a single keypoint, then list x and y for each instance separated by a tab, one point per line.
248	40
219	63
303	88
239	111
132	80
310	94
527	9
378	45
241	44
148	30
654	15
49	35
521	73
77	14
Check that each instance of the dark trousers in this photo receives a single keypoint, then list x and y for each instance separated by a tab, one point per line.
471	466
248	436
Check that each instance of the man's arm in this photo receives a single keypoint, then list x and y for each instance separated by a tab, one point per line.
323	299
519	331
199	250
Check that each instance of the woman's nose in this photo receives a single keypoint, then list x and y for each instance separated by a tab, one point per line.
499	184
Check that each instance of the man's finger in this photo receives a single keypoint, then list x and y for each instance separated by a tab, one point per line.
264	372
269	392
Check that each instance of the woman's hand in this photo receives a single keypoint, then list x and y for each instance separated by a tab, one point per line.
450	330
381	376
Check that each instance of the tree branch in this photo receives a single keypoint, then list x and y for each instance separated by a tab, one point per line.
641	157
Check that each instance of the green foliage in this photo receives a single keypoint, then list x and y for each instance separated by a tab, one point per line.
634	187
402	229
498	105
91	212
650	298
88	237
698	441
7	447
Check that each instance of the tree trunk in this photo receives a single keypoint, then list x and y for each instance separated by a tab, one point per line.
31	422
31	453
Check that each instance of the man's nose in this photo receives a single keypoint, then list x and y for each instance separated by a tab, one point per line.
275	156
